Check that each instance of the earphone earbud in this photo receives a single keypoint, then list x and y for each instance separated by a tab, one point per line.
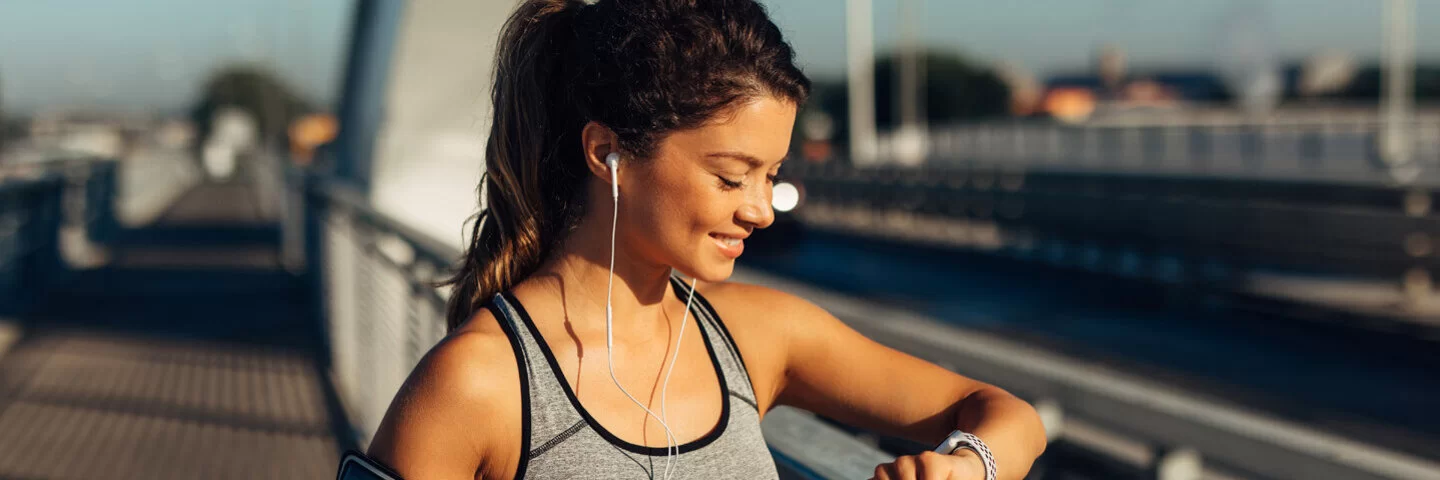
613	161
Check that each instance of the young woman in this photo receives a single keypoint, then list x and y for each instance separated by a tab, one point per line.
642	137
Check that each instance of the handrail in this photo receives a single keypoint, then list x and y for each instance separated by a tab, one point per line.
1197	231
807	447
30	219
1156	414
351	197
25	185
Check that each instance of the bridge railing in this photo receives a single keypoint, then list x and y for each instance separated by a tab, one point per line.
29	236
1173	229
375	278
382	313
39	202
1120	417
1345	148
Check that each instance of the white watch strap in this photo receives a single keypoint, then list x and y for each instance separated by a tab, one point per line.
972	442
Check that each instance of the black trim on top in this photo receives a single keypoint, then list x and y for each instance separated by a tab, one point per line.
562	436
595	425
524	368
725	332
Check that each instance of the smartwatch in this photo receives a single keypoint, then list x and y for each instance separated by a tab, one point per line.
959	439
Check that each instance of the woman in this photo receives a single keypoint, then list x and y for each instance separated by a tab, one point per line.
693	102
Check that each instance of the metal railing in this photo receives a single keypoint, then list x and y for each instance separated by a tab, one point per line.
1188	230
375	278
29	237
1329	148
37	203
1109	412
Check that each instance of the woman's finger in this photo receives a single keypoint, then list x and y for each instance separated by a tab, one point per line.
902	468
882	472
933	466
925	466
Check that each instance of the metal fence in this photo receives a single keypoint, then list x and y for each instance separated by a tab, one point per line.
37	203
1174	229
1345	148
29	231
374	276
1117	416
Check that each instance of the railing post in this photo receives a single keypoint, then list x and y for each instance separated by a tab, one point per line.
312	211
1180	463
100	191
41	247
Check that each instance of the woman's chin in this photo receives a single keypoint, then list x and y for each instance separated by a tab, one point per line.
709	272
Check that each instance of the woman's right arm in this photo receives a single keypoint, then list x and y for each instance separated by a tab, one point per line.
458	414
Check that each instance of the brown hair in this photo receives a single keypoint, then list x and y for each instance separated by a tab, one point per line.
642	69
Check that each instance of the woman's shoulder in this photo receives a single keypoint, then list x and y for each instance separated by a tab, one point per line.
773	317
749	302
475	362
474	355
460	403
764	323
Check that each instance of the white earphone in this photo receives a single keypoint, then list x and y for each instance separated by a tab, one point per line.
613	161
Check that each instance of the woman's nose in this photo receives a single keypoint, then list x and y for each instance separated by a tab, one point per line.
756	210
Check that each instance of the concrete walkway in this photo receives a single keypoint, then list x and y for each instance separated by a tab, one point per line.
191	355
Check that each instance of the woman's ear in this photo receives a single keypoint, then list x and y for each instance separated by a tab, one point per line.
598	141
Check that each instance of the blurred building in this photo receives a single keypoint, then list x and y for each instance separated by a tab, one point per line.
81	133
1112	86
1326	73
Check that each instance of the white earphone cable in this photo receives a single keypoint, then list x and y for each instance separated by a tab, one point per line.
671	369
670	440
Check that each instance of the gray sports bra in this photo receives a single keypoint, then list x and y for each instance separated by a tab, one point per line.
562	440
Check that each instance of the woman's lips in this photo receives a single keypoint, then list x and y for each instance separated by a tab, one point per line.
731	246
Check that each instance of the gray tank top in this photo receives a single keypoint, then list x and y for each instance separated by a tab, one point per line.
562	440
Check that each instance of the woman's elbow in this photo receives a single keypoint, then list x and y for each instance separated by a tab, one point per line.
1024	420
1035	434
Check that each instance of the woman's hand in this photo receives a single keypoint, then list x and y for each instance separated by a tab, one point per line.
962	465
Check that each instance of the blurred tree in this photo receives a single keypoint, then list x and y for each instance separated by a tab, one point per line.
828	97
1427	82
955	90
255	90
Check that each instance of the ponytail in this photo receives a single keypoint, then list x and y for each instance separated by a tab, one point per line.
513	233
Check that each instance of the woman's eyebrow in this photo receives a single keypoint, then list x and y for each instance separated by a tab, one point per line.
745	157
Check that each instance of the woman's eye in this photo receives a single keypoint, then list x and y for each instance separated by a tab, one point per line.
727	184
773	178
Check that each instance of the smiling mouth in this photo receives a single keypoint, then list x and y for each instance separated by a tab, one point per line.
726	241
730	246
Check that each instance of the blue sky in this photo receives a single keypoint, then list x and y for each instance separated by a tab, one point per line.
1055	35
155	53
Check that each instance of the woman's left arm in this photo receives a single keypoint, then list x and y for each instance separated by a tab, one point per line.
832	370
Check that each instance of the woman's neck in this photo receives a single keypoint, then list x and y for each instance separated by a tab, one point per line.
579	272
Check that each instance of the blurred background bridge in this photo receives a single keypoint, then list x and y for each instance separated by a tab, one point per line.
1194	268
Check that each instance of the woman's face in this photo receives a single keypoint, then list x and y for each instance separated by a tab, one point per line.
706	189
